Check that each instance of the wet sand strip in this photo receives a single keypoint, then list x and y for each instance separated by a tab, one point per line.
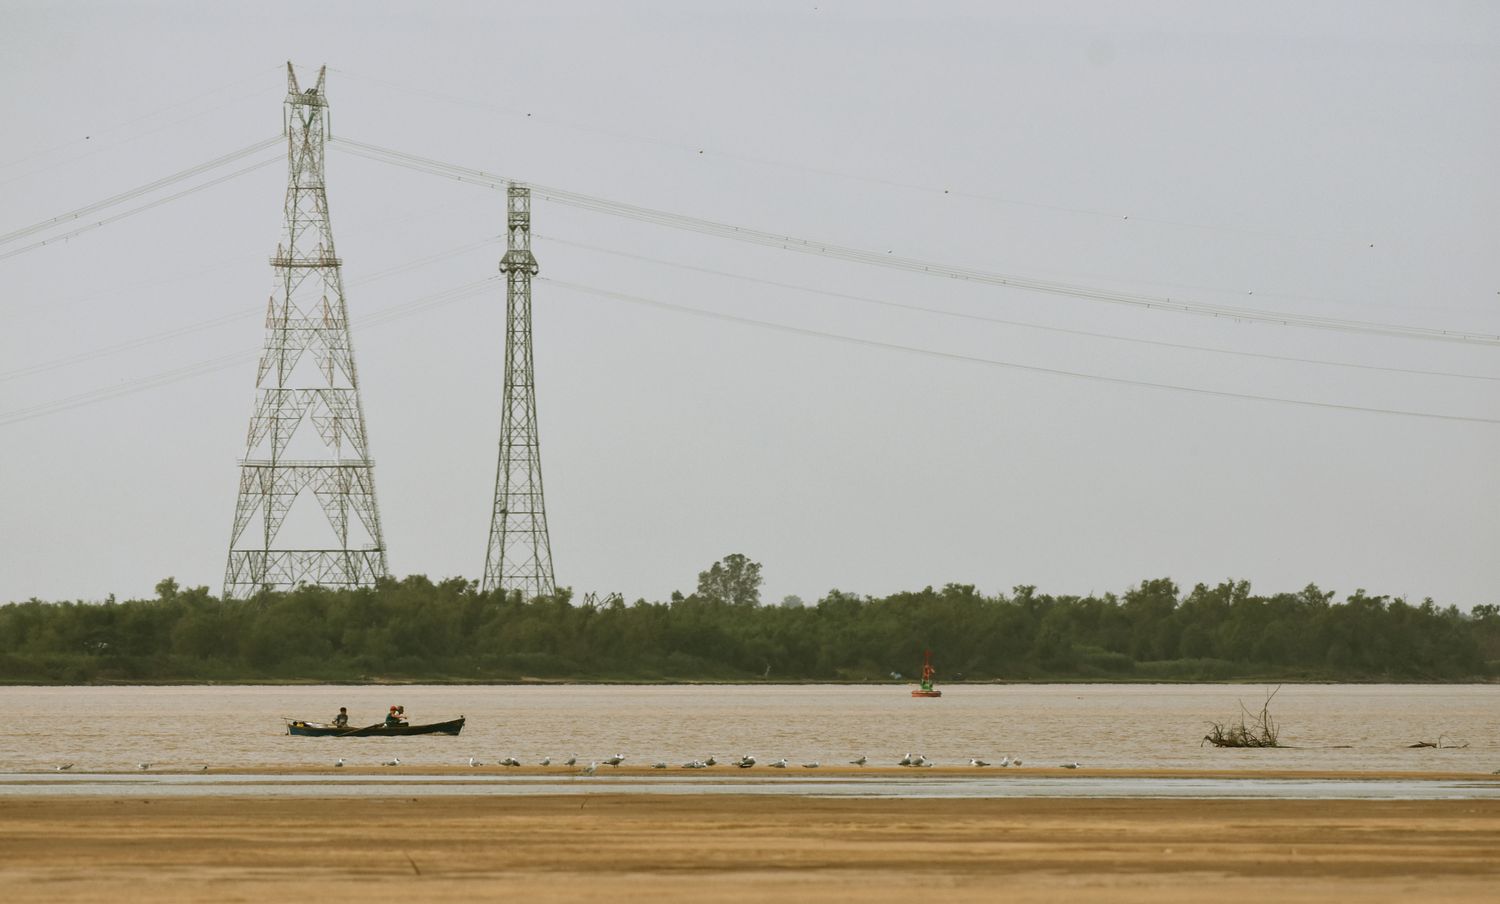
740	848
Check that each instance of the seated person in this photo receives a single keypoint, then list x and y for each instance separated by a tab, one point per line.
397	716
342	719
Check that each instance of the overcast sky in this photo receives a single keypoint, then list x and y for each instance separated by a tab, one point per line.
1334	159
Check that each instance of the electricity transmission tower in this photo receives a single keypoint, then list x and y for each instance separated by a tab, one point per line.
306	374
520	554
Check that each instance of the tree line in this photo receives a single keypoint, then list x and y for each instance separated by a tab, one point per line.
421	630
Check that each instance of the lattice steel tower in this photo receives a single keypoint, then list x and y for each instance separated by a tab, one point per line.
306	373
520	554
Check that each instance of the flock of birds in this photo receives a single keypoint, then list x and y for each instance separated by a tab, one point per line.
747	761
914	761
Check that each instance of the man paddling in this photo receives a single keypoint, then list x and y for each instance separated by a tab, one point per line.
342	719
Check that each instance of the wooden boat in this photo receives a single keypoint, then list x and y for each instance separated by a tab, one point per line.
927	690
378	730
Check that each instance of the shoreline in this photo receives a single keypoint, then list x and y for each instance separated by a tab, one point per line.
762	774
650	847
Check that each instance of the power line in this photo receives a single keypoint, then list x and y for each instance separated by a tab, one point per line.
106	130
52	240
136	192
914	265
995	362
935	190
142	341
211	365
985	318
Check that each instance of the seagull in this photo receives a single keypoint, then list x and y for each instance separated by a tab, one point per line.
1016	761
339	764
779	764
474	762
571	761
393	761
1071	765
591	768
143	766
919	760
859	762
710	762
510	761
695	764
746	761
1005	760
64	767
905	761
615	760
813	765
976	761
546	761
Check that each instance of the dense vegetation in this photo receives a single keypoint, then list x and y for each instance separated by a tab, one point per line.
414	629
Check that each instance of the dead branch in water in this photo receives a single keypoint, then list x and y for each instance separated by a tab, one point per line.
1253	729
1438	744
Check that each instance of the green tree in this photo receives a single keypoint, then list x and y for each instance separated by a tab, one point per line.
733	581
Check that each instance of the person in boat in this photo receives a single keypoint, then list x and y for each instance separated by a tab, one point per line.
342	719
397	716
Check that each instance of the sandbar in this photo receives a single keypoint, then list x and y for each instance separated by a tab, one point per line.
740	848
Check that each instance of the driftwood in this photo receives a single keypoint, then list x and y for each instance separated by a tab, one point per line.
1438	744
1252	730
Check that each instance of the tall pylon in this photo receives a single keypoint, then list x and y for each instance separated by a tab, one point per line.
520	553
331	461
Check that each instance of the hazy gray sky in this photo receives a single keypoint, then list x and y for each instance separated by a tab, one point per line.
1336	159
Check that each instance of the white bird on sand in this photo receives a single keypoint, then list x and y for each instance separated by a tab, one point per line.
813	765
710	762
859	762
1071	765
779	764
1005	760
474	762
591	768
976	761
393	761
1016	761
339	764
546	761
571	761
695	764
919	760
510	761
659	764
143	766
615	760
64	767
905	761
746	761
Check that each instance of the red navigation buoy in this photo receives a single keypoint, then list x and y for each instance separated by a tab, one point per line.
927	690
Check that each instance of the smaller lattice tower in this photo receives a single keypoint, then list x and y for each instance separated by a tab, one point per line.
520	555
307	434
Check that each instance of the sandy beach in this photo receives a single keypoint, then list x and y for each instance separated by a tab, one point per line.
647	847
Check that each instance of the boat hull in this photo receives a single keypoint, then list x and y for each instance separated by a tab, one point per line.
321	730
922	693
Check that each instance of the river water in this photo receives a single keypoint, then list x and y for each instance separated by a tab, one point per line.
1329	727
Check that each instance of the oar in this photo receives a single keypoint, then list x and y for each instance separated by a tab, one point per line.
358	730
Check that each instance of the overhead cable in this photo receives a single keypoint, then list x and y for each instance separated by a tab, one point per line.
202	368
140	190
995	362
985	318
890	259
